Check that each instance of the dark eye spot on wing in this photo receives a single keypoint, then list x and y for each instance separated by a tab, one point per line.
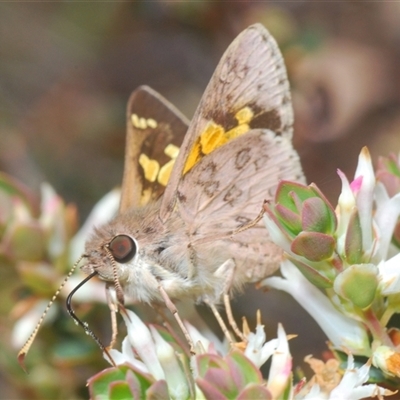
210	188
242	220
261	161
207	172
242	158
233	194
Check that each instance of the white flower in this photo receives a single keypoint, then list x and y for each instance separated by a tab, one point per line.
126	355
142	341
257	350
175	377
281	365
351	386
387	359
342	331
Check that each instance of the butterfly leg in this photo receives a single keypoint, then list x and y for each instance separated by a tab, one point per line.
171	307
231	320
220	320
226	273
113	309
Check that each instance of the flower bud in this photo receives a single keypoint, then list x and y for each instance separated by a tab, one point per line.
358	284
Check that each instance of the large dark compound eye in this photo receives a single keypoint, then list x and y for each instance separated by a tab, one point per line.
123	248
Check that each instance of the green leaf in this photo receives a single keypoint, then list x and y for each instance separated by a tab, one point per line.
358	284
315	216
313	246
248	372
330	211
99	383
120	390
254	392
353	242
222	380
209	391
313	275
284	194
290	219
27	242
206	361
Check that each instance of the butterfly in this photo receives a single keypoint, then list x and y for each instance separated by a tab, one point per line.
189	224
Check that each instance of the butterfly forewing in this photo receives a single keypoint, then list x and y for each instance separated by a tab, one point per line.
248	90
155	131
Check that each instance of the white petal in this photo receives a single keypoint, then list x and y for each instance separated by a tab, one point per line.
276	234
342	331
256	349
386	217
350	387
142	341
346	204
281	365
121	358
364	197
102	212
389	273
174	375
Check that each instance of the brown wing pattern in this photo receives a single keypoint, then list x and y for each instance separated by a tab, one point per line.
249	90
155	131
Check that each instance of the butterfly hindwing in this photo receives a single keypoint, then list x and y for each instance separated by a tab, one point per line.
225	191
248	90
155	131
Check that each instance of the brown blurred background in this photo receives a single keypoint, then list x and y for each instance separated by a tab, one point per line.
67	69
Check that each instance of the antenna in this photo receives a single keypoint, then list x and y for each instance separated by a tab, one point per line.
83	324
24	351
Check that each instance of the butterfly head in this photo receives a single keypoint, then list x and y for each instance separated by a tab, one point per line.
107	252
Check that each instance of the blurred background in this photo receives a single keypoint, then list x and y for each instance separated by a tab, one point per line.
66	72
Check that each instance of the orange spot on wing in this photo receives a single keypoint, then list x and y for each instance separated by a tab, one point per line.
214	136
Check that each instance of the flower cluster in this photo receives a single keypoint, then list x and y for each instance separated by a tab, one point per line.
343	264
153	365
38	244
34	237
